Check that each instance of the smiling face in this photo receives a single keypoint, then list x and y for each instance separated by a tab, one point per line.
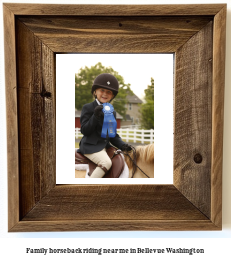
104	95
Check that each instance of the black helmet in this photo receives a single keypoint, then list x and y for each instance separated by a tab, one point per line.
107	81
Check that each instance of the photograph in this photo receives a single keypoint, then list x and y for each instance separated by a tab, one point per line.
124	91
139	90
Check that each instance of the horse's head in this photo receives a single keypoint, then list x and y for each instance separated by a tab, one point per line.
144	153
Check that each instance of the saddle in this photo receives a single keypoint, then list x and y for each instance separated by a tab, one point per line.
116	158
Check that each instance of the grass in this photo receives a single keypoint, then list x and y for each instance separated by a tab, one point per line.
76	145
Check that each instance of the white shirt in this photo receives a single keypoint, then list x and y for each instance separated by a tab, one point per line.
98	102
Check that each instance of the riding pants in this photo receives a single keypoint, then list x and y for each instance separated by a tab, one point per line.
102	160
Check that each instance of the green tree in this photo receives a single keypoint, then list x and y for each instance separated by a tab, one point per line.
147	108
84	80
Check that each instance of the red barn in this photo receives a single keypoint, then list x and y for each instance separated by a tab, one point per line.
78	114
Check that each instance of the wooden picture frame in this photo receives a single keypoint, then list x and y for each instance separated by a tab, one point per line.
33	34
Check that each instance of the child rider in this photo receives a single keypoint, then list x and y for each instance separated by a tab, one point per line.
92	145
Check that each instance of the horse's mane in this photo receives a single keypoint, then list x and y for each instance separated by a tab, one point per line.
143	153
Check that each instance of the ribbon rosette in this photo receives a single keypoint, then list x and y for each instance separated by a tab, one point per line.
109	122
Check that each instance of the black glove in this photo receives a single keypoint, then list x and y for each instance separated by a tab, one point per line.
98	111
126	147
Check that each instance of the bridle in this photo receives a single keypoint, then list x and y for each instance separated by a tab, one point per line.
134	168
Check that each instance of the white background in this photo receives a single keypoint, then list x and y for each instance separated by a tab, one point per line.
143	67
215	243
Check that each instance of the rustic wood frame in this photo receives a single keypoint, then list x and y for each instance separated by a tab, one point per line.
33	34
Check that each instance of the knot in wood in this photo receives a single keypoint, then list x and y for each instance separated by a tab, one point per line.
46	94
198	158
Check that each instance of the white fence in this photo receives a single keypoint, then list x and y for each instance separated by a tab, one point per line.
129	135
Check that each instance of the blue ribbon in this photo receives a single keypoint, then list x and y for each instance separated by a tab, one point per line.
109	121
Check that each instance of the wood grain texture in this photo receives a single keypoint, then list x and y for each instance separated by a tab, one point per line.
11	116
114	34
193	114
92	208
218	114
114	10
191	203
35	66
114	202
114	225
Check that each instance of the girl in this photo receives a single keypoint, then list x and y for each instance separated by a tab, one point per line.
93	145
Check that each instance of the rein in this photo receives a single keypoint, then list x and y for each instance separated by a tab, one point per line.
135	166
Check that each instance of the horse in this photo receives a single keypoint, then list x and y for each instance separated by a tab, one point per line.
144	161
119	168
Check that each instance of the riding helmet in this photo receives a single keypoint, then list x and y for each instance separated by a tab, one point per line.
106	81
